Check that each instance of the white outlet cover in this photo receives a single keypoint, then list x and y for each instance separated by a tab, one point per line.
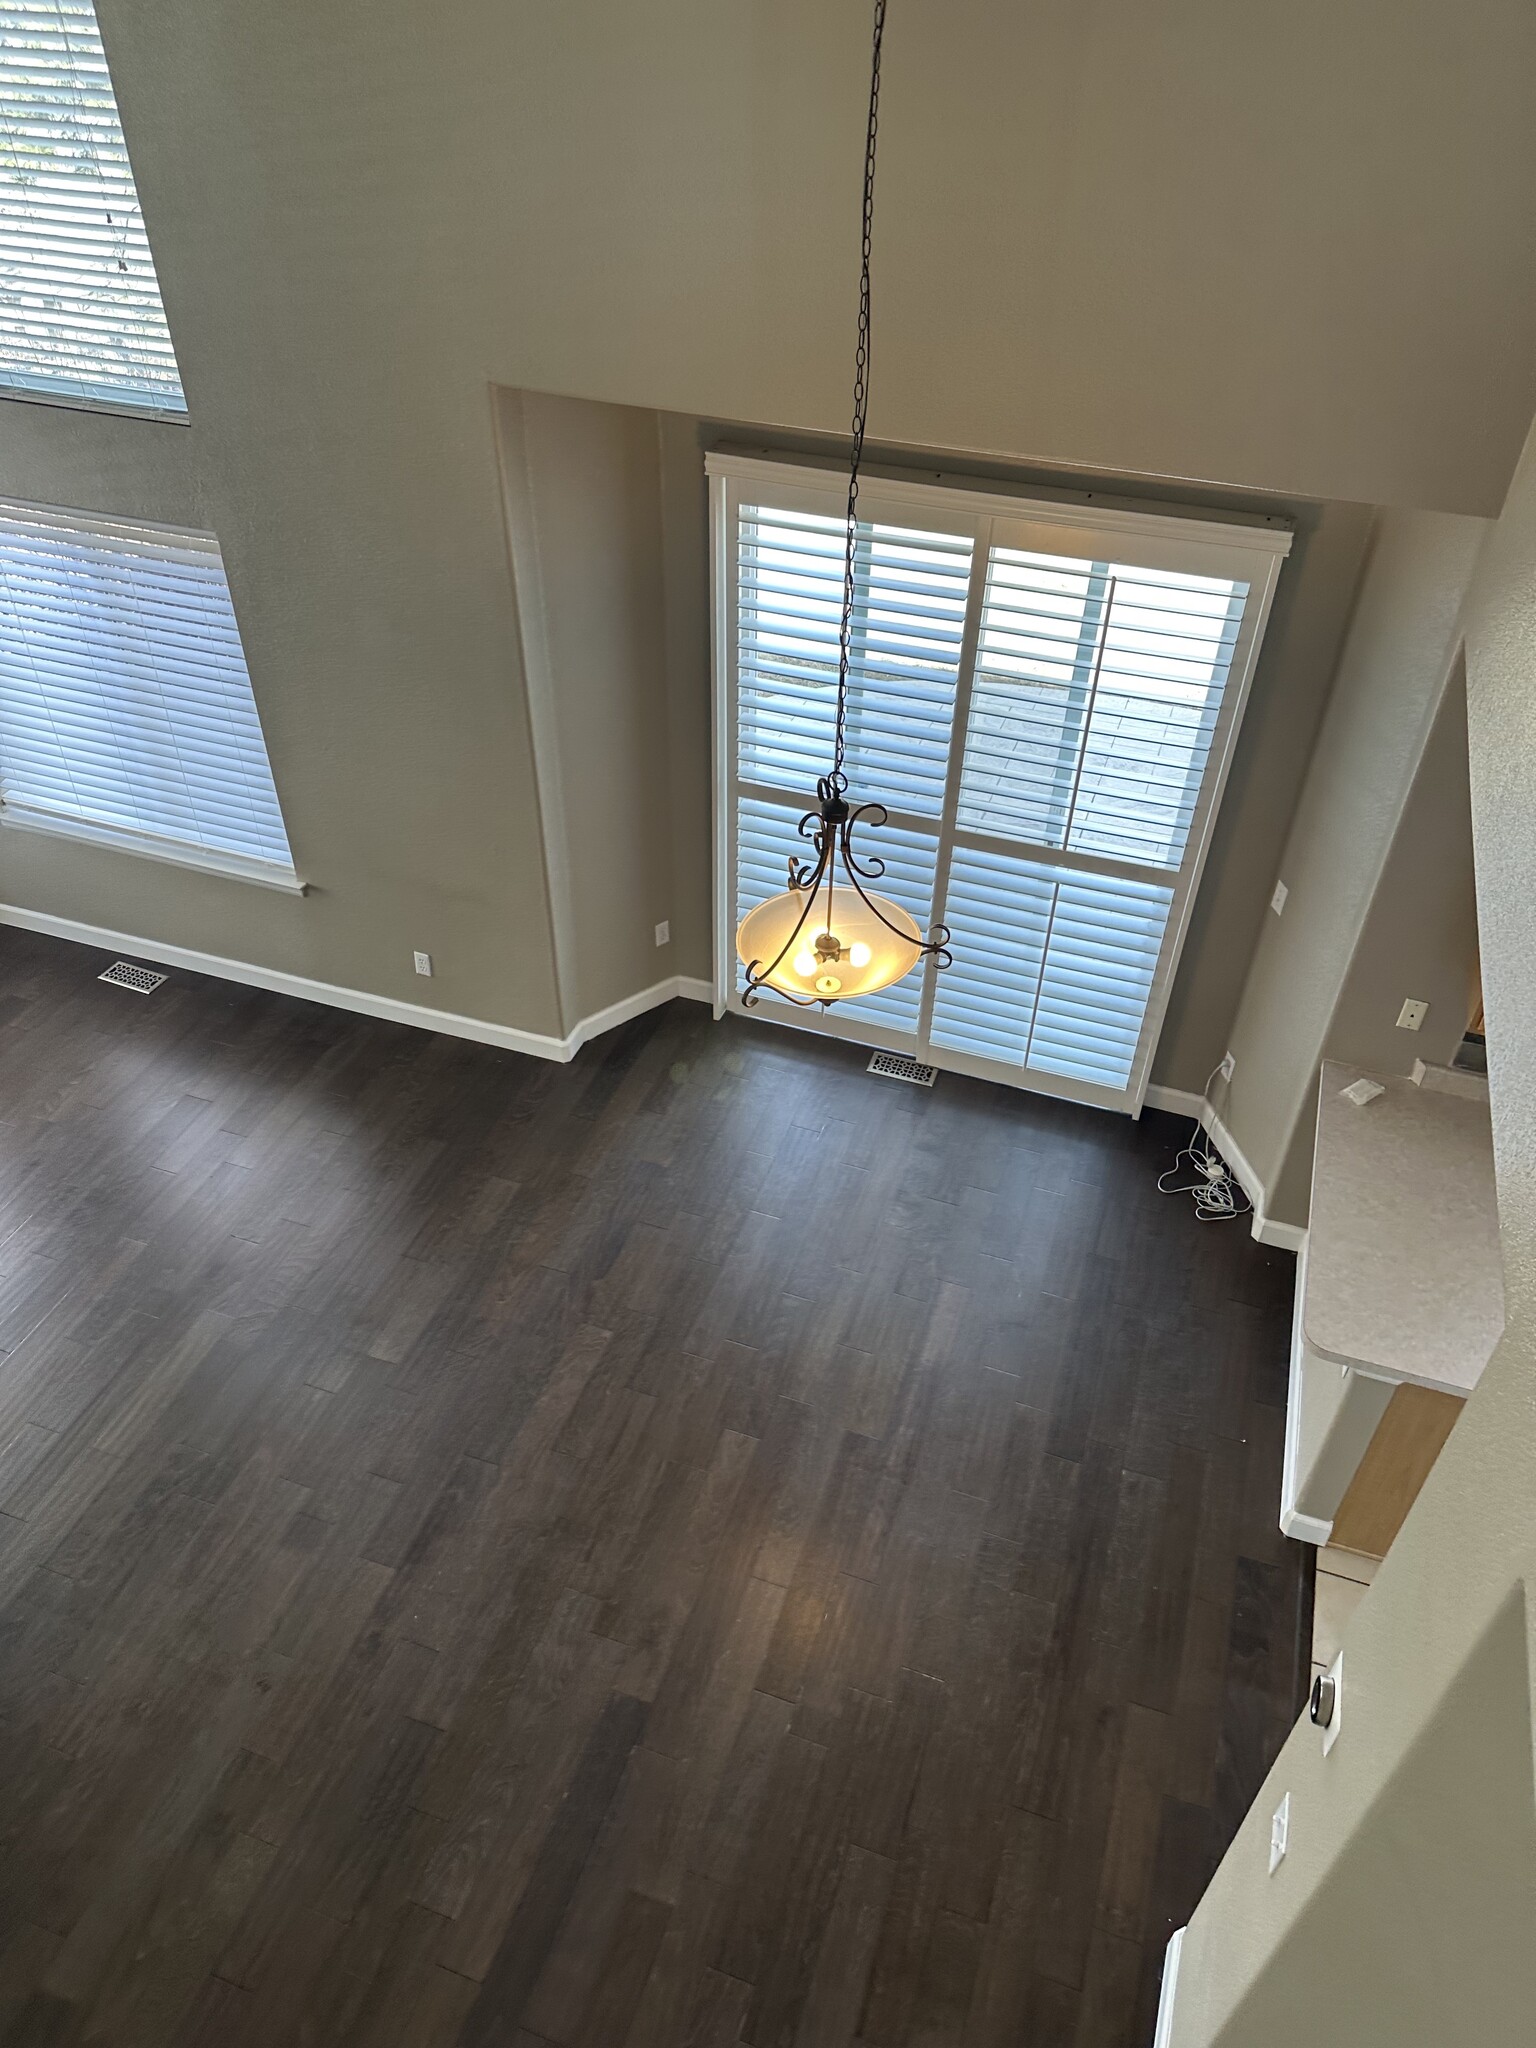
423	962
1277	901
1280	1834
664	932
1412	1015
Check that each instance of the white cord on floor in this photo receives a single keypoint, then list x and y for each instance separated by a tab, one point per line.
1219	1195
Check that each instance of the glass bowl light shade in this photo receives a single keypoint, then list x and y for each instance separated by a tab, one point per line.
867	955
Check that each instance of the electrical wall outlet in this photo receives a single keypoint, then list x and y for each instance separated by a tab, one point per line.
1279	1834
663	932
1277	901
1412	1015
423	962
1228	1066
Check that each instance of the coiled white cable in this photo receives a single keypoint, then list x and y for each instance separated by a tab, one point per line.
1200	1170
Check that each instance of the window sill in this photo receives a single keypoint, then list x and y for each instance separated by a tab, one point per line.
181	853
116	408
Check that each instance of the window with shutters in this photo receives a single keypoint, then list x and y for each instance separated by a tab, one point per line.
126	714
82	321
1044	695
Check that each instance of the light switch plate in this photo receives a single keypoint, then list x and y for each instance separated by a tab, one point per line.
1279	1834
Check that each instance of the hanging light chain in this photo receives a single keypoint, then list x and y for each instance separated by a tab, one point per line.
830	827
838	779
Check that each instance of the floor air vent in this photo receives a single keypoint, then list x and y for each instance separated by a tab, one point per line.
900	1066
123	974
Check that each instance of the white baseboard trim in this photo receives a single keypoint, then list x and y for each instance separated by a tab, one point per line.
539	1045
1287	1237
1178	1101
1305	1528
1235	1157
635	1006
1163	2036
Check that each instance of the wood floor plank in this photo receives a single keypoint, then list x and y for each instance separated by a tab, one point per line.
693	1547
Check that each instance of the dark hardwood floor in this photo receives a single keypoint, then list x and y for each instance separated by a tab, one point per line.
696	1546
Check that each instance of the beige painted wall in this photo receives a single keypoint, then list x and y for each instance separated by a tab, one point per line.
1418	939
1440	1656
1391	679
611	554
395	718
1167	241
583	486
1292	248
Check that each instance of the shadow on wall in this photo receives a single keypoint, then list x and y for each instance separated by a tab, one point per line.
1461	1802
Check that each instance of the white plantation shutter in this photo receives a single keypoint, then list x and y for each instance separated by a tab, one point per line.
1053	969
1045	700
82	318
1097	692
911	590
125	707
905	655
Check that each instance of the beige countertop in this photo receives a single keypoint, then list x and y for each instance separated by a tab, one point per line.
1402	1272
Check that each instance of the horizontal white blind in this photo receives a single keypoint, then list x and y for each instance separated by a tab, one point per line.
908	625
1053	967
766	838
124	697
82	316
1097	691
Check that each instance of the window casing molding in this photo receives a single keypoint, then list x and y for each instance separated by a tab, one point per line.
181	853
1078	527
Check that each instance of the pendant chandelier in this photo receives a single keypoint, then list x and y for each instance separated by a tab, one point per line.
828	938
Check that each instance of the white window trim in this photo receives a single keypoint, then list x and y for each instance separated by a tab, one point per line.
114	408
947	503
181	853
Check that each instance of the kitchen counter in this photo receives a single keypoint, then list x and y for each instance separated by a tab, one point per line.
1399	1300
1403	1275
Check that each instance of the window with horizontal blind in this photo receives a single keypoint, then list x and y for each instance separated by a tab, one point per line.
126	713
1044	695
83	322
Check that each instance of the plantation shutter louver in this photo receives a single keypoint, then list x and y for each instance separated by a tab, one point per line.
82	320
1046	702
909	621
126	710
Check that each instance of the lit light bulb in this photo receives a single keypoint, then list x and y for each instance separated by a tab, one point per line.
876	942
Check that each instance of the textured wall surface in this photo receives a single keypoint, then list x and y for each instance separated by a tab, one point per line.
1392	676
1291	252
1391	1920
